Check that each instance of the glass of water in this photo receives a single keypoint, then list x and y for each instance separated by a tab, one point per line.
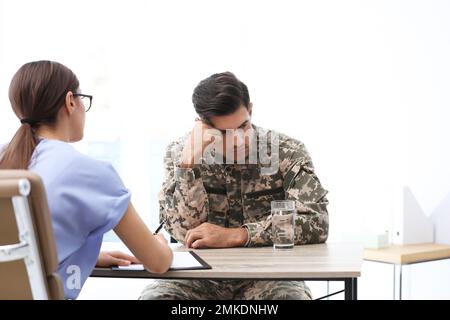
283	219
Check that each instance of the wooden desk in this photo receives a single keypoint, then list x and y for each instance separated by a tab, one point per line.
407	254
400	255
332	262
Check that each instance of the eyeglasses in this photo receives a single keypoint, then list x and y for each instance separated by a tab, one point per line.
86	99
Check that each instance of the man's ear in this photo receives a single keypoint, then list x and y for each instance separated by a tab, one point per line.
69	103
250	106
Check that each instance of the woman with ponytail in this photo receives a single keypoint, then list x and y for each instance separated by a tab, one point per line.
86	197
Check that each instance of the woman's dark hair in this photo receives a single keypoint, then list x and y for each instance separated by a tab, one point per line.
218	95
37	92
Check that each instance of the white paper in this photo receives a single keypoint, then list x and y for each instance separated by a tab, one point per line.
181	260
184	260
136	267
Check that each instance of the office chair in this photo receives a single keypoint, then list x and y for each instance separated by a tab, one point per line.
28	257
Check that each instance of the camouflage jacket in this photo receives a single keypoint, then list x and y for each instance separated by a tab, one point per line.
236	195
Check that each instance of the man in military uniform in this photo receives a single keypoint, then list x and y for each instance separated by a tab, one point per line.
207	204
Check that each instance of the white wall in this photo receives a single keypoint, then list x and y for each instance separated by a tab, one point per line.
364	84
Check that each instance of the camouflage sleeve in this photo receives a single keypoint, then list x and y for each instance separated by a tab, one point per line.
183	201
302	185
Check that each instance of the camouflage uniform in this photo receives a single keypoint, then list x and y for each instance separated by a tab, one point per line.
239	195
225	290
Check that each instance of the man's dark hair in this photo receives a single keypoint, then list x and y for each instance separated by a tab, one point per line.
218	95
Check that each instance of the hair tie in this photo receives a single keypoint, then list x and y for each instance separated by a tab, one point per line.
28	121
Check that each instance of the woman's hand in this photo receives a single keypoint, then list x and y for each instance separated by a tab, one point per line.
115	258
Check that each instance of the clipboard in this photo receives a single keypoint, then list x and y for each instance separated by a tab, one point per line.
179	263
203	264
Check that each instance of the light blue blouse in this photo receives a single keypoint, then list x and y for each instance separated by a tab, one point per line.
86	199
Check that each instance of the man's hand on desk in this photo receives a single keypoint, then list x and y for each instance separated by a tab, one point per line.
115	258
209	235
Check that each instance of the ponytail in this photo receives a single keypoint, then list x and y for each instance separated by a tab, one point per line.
19	151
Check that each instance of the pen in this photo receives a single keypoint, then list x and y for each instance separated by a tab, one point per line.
160	226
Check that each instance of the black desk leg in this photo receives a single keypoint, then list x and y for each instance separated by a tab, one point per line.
351	289
355	288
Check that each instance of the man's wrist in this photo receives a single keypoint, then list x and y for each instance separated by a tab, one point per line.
247	231
186	165
241	238
190	163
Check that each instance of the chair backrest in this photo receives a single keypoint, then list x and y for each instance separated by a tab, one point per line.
28	257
